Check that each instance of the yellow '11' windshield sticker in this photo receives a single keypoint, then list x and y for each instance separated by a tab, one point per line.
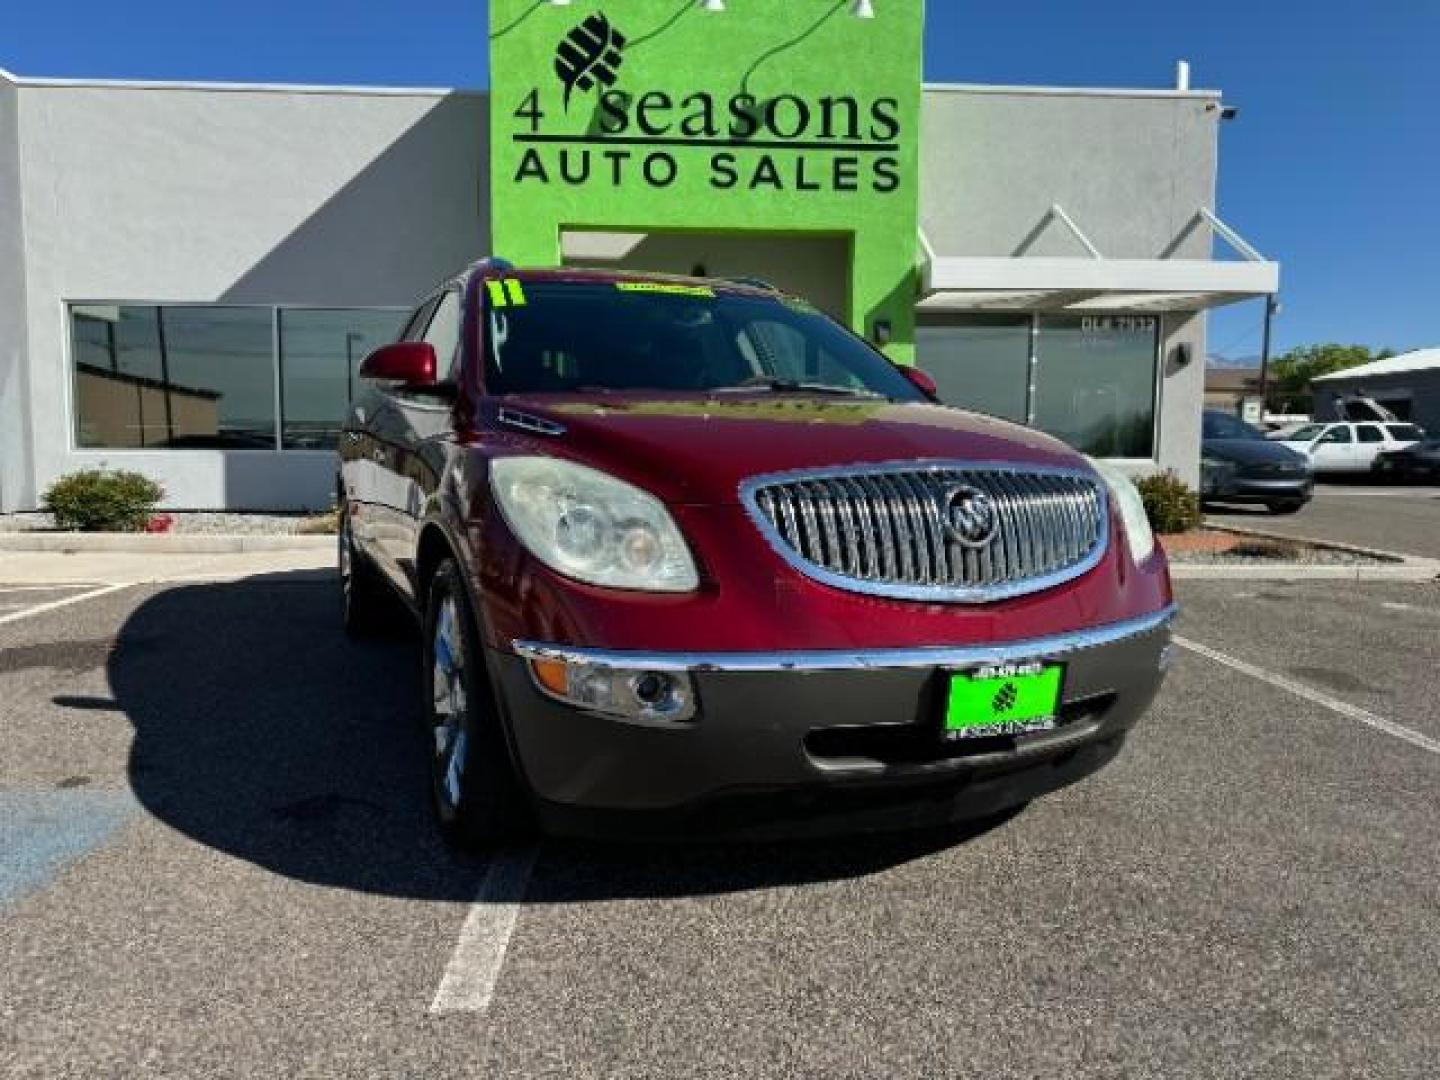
505	292
660	287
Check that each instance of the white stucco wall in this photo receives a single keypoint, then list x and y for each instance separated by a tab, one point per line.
15	470
1131	168
246	195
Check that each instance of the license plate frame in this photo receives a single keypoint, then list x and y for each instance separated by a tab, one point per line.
1000	700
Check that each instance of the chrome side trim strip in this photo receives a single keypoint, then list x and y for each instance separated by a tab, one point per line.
527	422
945	656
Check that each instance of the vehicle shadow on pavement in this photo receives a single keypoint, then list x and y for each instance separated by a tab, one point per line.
262	731
574	871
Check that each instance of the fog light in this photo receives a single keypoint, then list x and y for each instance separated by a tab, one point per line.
651	688
645	696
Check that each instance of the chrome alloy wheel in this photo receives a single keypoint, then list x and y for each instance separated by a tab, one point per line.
451	718
345	560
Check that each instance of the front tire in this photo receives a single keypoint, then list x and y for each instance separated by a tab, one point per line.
362	591
477	799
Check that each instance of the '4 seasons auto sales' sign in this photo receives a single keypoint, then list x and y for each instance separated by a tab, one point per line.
658	115
839	141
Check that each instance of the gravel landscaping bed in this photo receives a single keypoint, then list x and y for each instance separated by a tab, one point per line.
1215	547
202	523
1307	557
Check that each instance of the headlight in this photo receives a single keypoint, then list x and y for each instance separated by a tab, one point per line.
1132	510
591	526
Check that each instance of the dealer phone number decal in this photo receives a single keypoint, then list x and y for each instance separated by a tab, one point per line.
1118	324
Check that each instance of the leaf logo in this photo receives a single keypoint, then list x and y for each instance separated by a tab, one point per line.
1005	700
589	54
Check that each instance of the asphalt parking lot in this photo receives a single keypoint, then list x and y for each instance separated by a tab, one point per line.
218	861
1404	518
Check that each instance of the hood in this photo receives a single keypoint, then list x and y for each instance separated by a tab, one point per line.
698	449
1251	452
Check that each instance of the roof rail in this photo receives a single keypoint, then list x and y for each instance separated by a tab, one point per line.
490	262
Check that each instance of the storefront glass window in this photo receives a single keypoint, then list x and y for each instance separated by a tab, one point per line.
320	355
173	377
979	362
204	376
1095	382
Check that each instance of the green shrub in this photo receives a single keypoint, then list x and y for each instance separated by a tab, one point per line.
1171	504
98	500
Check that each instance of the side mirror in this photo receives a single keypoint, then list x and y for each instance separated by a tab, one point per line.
920	380
411	363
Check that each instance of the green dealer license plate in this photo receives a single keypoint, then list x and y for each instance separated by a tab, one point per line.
1003	699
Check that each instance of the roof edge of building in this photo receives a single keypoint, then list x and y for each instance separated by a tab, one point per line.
1407	363
222	86
241	87
1070	91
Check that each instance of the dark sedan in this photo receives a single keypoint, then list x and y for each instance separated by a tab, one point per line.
1239	465
1418	461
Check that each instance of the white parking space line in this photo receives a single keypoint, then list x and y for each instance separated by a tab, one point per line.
40	609
469	980
1309	693
1410	609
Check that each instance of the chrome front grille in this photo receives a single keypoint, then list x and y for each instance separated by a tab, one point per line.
890	530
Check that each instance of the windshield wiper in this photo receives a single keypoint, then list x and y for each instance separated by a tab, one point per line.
778	385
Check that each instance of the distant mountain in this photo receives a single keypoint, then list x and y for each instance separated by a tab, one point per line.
1213	361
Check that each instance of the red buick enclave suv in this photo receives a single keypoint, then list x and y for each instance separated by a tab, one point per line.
689	555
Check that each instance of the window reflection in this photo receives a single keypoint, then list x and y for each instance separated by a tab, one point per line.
204	376
149	376
1095	382
320	355
979	362
1094	375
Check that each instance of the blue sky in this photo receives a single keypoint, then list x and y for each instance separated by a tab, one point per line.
1333	166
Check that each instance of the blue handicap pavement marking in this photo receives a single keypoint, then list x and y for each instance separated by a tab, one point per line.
43	832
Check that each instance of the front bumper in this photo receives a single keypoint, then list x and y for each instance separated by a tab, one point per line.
1242	489
795	742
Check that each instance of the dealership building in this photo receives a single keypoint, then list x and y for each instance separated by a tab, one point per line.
190	274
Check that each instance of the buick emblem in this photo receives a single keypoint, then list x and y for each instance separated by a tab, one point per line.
969	516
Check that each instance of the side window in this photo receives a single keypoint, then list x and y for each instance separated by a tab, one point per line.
1339	434
1370	433
444	332
1405	433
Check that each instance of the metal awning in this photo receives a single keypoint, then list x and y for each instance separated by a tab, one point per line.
1093	282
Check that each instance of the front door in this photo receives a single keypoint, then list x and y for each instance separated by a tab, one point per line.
1335	450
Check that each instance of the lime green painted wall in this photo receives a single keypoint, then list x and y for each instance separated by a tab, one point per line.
777	117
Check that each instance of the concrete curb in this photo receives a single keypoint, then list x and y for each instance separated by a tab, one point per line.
1410	570
1332	545
159	543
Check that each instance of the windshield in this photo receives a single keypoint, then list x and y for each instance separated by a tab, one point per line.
1220	425
1306	433
627	335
